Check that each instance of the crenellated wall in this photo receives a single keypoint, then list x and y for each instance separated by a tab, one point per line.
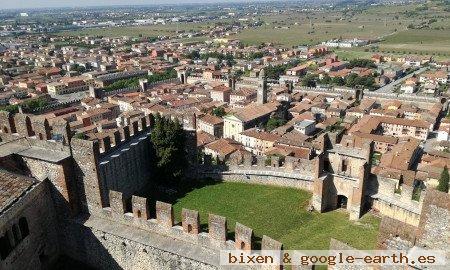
290	172
125	158
398	206
118	230
34	126
124	235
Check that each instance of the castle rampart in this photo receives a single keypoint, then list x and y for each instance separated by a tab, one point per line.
136	240
290	172
400	206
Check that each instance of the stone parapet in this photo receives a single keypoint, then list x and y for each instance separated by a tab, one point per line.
133	212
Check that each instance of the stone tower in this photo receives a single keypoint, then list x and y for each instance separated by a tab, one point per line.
143	85
262	88
232	81
182	75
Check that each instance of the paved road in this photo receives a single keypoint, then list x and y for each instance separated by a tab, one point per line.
388	88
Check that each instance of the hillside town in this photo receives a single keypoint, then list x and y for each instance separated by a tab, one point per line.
364	135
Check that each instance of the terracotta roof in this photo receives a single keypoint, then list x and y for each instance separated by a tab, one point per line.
405	122
254	111
294	138
299	152
221	88
204	138
401	156
261	135
224	147
377	138
211	119
12	187
245	92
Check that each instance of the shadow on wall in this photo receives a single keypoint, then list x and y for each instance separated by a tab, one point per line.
82	249
66	263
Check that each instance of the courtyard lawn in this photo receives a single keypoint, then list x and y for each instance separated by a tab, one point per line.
279	213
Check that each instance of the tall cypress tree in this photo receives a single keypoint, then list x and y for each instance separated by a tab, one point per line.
168	141
443	181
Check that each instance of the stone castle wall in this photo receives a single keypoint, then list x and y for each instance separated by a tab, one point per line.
131	234
399	206
123	231
290	172
125	158
434	222
41	244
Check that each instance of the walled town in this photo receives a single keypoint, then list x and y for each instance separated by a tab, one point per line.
363	137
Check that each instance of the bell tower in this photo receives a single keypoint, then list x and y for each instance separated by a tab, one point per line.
262	88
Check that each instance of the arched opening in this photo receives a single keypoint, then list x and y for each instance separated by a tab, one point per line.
16	233
23	225
242	245
5	247
5	130
189	228
138	213
342	201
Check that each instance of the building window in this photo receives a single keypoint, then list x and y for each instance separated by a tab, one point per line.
344	166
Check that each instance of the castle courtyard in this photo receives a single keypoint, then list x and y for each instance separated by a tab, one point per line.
280	213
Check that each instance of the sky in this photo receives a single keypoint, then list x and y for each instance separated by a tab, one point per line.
23	4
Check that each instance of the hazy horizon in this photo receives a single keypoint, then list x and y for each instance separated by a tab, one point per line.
31	4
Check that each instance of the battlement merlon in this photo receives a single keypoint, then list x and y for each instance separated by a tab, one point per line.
119	137
136	214
86	156
303	168
37	127
390	192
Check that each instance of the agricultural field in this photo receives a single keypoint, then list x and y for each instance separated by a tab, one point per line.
417	29
419	41
138	31
411	29
304	28
276	212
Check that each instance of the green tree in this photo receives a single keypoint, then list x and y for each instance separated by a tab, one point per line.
444	180
365	63
351	80
309	80
219	112
274	72
326	79
339	81
255	55
274	122
132	82
168	141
